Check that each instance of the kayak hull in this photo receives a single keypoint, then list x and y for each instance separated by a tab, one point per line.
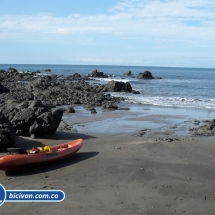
21	161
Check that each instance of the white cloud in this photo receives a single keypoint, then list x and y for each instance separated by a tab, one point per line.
127	17
182	22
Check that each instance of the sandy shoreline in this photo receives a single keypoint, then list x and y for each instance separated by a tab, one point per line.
118	172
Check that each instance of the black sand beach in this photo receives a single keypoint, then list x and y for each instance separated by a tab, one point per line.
118	171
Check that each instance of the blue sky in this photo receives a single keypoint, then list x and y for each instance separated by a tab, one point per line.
124	32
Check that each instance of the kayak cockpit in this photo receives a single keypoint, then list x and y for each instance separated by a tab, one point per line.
16	151
12	151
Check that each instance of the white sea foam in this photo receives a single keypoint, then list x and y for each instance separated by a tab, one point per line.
23	71
111	79
168	101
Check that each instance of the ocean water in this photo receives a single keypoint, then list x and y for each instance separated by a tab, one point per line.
179	87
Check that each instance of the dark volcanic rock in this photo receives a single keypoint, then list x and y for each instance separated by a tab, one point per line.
3	89
206	129
23	117
47	123
7	134
109	105
2	71
8	111
98	74
12	70
69	110
22	105
93	111
128	73
118	86
145	75
135	92
36	103
64	126
22	120
75	76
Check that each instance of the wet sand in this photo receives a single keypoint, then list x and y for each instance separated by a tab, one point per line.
118	172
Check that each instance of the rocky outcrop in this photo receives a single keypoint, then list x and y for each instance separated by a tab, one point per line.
98	74
53	91
46	123
69	110
27	100
28	114
7	134
75	76
35	121
64	126
145	75
118	86
207	129
109	105
128	73
12	70
135	92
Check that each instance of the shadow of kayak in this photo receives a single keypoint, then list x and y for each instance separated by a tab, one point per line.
47	167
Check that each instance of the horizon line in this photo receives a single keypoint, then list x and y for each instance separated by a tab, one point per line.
65	64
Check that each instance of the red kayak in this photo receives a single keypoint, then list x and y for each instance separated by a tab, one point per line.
24	160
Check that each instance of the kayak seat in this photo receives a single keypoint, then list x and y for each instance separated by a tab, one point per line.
17	151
